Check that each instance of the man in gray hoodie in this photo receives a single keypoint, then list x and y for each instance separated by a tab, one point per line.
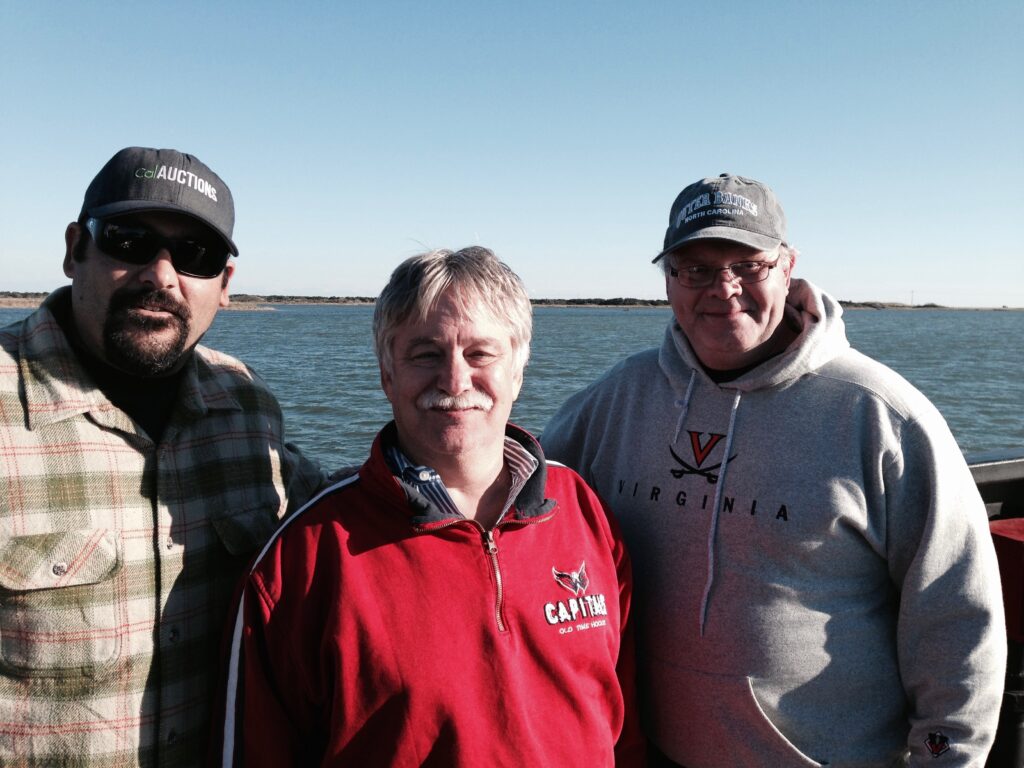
815	580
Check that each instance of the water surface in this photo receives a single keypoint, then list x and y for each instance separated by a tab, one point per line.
319	361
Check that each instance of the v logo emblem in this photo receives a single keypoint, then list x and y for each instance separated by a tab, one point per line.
701	452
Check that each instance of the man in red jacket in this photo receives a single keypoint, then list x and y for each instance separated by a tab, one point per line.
457	602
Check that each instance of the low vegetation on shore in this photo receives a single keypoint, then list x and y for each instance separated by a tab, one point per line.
254	301
247	298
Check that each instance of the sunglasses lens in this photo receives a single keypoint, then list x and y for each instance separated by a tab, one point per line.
191	257
138	246
128	244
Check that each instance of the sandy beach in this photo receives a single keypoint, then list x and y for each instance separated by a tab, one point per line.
20	301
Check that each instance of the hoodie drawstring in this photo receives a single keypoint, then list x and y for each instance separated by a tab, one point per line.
713	526
684	404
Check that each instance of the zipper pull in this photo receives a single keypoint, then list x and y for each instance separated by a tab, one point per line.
492	548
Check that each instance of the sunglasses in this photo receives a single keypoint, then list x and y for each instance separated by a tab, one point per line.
134	244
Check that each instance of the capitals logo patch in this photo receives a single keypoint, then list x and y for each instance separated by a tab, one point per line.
701	451
937	743
579	612
574	581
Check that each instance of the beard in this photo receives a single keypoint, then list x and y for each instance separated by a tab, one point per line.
142	345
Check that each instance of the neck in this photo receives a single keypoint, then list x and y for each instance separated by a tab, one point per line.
478	482
480	498
146	401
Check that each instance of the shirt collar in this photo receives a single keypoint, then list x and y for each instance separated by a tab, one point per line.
520	463
58	386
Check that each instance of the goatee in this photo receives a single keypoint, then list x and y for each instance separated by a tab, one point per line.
143	345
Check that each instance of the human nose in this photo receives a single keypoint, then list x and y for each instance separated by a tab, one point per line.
724	284
160	271
454	376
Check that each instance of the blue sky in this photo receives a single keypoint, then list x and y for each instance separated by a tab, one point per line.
354	135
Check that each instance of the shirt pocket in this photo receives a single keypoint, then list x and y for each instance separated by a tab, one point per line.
58	609
243	532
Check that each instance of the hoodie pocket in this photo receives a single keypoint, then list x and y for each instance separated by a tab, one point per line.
58	613
714	721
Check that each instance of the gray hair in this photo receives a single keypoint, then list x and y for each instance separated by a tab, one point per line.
474	274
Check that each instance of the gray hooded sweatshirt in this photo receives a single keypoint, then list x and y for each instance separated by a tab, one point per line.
815	579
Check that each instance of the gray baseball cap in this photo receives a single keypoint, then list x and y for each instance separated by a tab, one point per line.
726	208
140	179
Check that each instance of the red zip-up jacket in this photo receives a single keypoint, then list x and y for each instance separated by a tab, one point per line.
374	630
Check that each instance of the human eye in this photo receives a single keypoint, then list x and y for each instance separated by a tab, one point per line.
693	270
747	268
423	355
482	356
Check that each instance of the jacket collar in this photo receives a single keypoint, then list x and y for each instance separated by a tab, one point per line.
530	503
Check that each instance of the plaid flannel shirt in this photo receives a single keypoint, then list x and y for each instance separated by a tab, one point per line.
118	556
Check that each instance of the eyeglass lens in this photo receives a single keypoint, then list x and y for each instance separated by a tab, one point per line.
701	276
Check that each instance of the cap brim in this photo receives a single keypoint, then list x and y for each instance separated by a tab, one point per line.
742	236
142	206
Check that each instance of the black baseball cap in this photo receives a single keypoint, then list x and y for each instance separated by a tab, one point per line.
138	179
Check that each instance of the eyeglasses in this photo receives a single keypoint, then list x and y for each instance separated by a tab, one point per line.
134	244
701	276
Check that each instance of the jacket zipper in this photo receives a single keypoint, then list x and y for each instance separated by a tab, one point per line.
499	598
491	548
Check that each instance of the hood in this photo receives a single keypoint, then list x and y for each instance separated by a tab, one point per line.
822	337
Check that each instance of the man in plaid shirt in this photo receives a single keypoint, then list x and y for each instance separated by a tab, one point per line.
138	473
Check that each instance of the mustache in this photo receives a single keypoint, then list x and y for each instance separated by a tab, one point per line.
463	402
156	300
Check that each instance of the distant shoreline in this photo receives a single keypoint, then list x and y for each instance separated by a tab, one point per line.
252	302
